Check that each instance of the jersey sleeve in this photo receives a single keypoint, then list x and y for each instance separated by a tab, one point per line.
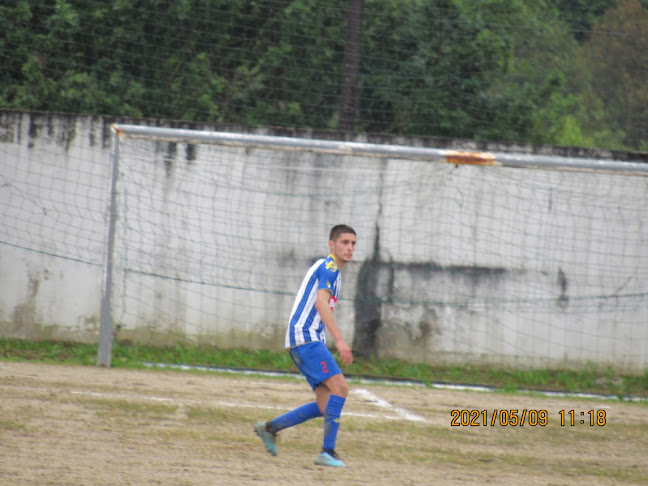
327	277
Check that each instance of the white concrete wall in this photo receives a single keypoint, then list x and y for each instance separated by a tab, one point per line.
53	194
454	264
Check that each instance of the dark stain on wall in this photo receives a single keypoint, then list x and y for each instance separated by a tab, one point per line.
34	129
55	126
368	304
375	293
563	299
106	133
9	127
172	150
26	313
67	129
191	152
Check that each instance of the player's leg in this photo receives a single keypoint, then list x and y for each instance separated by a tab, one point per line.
321	370
323	374
335	395
322	395
268	430
330	397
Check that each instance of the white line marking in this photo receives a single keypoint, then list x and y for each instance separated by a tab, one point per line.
367	395
172	400
442	386
219	404
401	412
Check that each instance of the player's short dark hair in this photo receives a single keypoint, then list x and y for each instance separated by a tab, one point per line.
339	229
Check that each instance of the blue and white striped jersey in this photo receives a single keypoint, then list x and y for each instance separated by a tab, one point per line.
305	323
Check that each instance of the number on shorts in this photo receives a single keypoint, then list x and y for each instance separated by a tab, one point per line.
324	367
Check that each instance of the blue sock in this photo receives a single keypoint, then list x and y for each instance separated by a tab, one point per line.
297	416
332	414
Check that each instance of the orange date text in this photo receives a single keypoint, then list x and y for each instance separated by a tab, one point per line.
491	418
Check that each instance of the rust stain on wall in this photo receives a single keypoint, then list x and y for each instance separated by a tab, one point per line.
471	158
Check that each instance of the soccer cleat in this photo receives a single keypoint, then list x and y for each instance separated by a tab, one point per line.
329	458
269	437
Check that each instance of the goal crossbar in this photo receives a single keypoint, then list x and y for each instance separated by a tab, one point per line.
496	159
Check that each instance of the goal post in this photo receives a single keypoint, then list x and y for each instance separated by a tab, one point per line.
463	256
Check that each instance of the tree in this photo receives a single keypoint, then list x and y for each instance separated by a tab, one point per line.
292	74
530	96
617	55
580	15
422	73
349	90
447	68
498	70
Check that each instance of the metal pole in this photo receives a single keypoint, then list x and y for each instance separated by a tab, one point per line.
106	319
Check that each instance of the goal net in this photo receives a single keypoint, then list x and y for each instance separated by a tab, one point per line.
490	259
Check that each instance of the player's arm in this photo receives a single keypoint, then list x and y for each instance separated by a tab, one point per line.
326	314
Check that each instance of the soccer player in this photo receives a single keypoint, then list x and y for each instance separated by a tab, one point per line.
311	317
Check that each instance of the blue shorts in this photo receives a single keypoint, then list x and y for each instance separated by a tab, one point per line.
315	362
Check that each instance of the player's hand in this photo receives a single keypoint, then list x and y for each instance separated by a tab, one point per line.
346	356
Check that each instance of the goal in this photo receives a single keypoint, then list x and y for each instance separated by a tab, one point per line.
488	258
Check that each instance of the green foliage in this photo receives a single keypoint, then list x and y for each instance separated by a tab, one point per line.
295	67
499	70
528	98
580	15
619	66
424	72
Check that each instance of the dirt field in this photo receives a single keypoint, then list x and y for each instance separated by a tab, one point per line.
62	425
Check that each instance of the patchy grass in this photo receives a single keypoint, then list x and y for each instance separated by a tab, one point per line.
592	379
179	428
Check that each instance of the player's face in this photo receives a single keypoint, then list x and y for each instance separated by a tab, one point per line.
343	248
